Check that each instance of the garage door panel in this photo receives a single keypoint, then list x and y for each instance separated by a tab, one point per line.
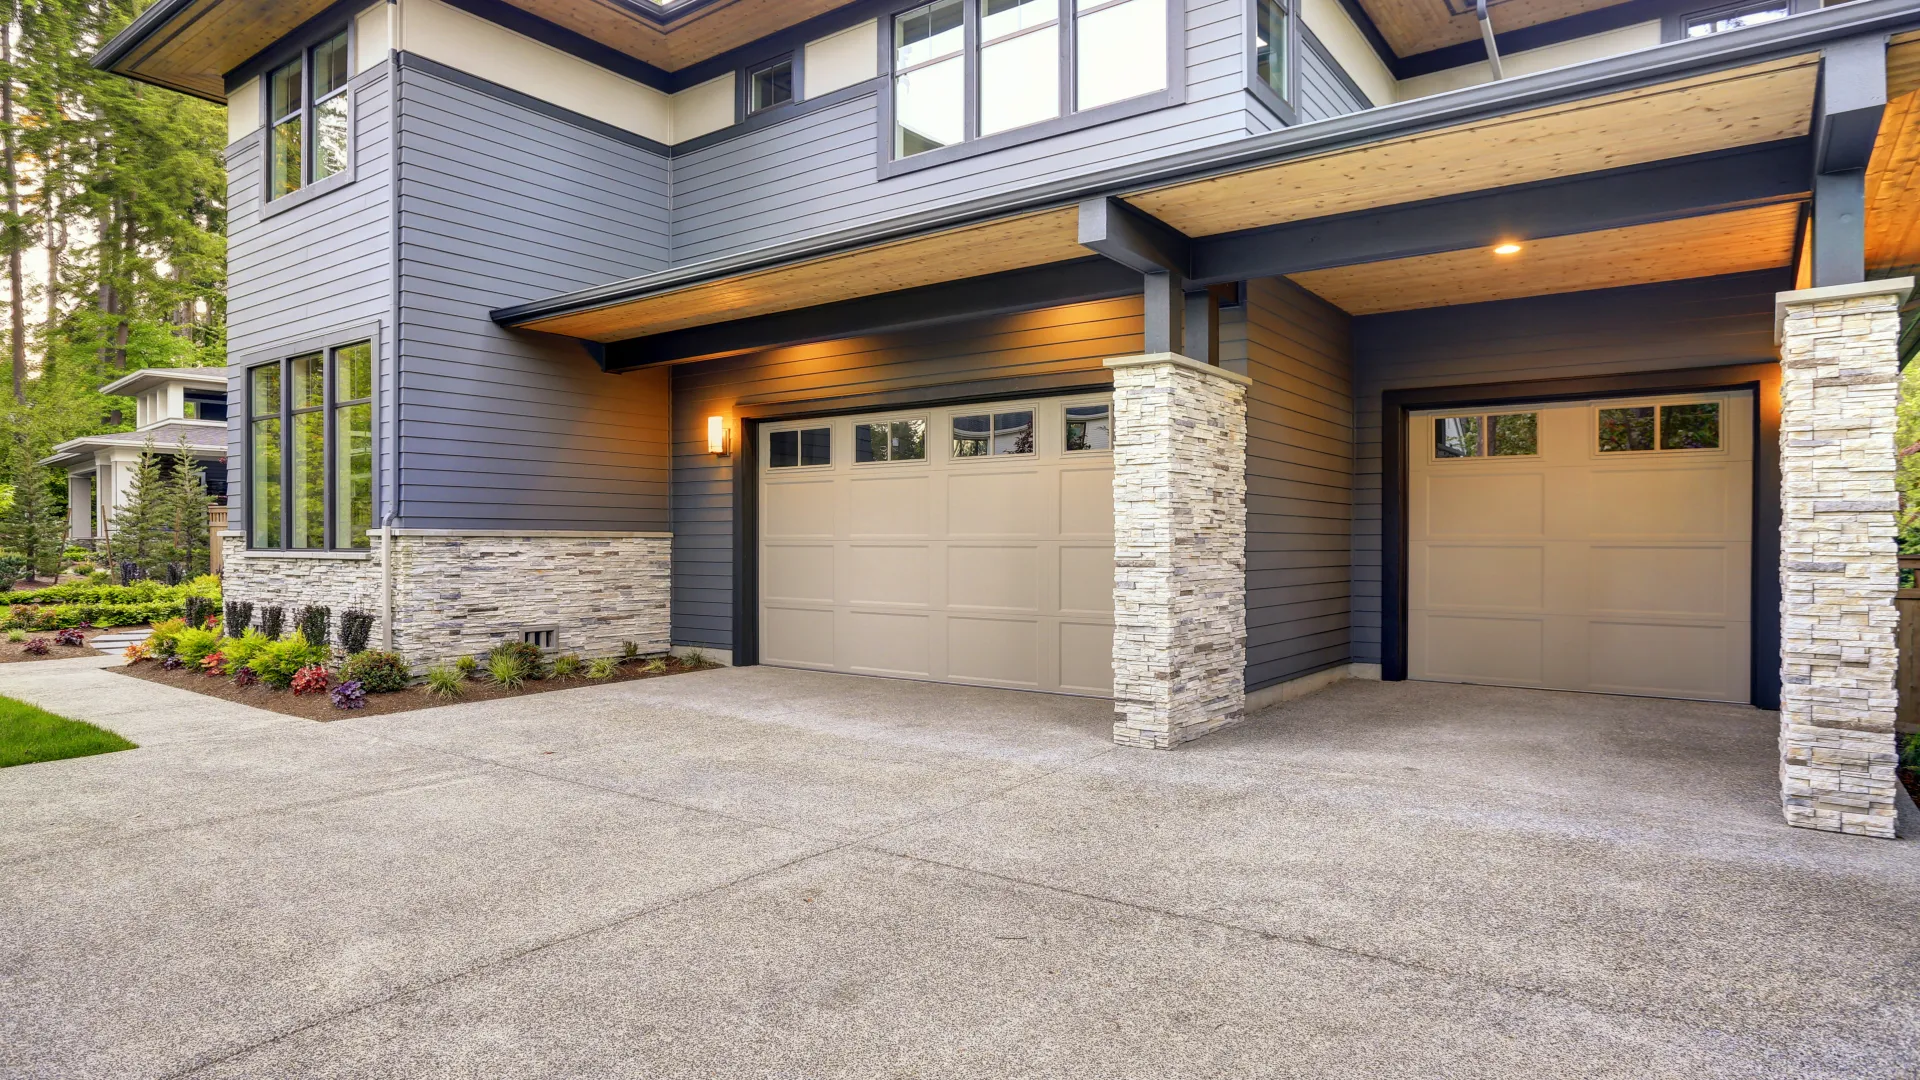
798	572
1471	648
801	509
889	506
886	643
1086	579
1667	580
982	503
1086	503
1511	504
888	574
1486	576
993	576
1667	659
1086	657
1003	652
799	636
1702	502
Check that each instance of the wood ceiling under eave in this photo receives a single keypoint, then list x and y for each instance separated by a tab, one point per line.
1742	107
1893	191
195	48
1417	26
704	32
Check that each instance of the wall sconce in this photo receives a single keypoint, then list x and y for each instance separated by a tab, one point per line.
718	437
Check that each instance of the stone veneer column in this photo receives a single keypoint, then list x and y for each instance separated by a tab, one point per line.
1839	384
1180	549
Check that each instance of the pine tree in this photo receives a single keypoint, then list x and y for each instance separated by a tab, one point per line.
34	526
142	533
187	503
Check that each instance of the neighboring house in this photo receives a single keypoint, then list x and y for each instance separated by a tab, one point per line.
173	407
1193	352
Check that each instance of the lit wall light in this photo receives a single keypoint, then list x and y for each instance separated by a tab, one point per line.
717	435
1508	248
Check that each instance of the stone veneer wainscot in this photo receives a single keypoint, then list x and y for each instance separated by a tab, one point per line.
458	593
1179	547
1839	564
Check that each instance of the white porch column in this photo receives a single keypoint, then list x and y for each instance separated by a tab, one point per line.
79	506
1839	567
1180	549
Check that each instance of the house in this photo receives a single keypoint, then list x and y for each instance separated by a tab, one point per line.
1194	353
174	408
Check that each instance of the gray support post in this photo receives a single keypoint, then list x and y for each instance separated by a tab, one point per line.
1846	121
1202	326
1165	304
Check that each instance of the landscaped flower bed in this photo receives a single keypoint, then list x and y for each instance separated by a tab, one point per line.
82	604
290	675
19	645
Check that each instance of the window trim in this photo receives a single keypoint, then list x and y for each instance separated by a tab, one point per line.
743	109
1286	108
271	204
1484	435
1658	403
993	413
926	432
1673	27
325	345
974	144
799	464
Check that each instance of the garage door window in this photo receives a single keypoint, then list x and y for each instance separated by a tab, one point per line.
795	449
1503	435
1089	427
1640	428
988	434
890	440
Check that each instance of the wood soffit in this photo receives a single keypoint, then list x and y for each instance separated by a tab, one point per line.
194	50
704	32
1734	242
1893	190
1903	64
1417	26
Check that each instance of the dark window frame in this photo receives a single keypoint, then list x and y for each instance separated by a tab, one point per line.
743	85
1673	27
1285	107
1071	119
327	346
302	54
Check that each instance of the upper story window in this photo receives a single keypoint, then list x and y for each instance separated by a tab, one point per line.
770	85
965	69
310	450
307	115
1273	46
1720	21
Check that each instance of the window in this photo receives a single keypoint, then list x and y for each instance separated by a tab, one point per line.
794	449
1273	46
206	407
993	434
1719	22
1502	435
891	440
300	496
1031	61
1089	427
770	85
307	112
1691	426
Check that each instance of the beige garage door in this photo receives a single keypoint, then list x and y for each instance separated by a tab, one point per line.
1601	546
970	544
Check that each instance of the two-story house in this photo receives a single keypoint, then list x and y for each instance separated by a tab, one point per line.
1193	353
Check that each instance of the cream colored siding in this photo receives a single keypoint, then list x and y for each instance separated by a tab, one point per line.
243	110
1623	572
705	108
1579	50
1344	41
995	571
373	30
842	59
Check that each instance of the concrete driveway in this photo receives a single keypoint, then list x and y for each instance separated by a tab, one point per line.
763	873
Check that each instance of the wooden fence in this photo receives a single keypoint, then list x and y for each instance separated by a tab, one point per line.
217	524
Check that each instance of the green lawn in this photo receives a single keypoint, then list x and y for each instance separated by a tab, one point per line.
28	735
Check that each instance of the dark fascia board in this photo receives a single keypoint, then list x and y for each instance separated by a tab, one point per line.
135	33
1632	195
949	302
1785	37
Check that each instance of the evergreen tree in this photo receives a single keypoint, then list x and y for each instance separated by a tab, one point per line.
187	503
142	525
34	526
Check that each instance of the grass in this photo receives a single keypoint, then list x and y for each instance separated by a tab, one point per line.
29	734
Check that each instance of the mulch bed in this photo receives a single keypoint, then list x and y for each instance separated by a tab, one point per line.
320	707
1911	778
15	652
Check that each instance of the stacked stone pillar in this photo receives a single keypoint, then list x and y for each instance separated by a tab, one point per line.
1180	549
1839	567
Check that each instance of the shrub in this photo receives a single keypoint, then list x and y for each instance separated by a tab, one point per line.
71	637
137	652
379	672
83	569
602	667
101	615
99	577
273	619
278	662
171	663
13	568
467	667
239	617
532	663
313	622
312	679
243	676
629	650
215	663
349	695
356	627
240	650
193	645
130	572
443	681
566	666
196	610
164	631
655	666
506	670
37	646
16	635
1910	751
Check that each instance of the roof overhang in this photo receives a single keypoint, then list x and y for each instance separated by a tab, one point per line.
145	379
1701	96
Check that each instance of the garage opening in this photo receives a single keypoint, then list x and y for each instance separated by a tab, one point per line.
968	544
1603	546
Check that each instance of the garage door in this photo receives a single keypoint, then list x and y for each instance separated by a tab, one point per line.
971	544
1601	546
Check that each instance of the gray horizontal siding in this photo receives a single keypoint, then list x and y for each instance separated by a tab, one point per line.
1054	343
1298	351
1699	323
1325	90
499	204
318	269
817	173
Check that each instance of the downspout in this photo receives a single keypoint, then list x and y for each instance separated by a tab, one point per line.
392	372
1486	36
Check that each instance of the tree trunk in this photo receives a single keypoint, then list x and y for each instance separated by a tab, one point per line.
16	241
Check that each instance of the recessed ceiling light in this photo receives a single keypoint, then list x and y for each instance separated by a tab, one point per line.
1508	248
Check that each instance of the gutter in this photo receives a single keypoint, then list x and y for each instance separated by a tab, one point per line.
1794	35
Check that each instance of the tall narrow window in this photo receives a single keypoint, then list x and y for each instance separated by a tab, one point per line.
1019	63
263	463
1272	38
769	86
306	452
929	78
352	445
1122	50
330	107
286	161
